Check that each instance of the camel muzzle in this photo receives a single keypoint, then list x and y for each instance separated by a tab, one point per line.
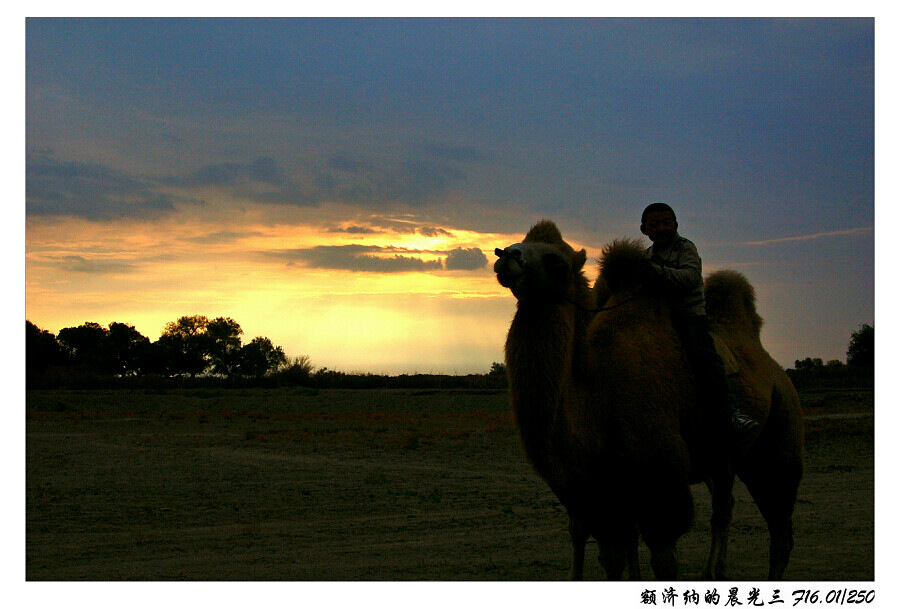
509	266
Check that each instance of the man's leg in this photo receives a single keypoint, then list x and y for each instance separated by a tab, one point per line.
712	381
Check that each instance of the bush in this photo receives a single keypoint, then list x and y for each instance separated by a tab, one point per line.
297	371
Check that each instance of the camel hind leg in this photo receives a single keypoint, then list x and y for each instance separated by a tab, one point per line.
579	534
772	472
721	488
781	543
777	506
774	489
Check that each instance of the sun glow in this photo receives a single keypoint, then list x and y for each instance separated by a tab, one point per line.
430	318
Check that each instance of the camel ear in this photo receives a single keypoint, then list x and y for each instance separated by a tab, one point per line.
579	260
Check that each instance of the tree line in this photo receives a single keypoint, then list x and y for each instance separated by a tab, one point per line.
859	368
195	351
195	346
190	346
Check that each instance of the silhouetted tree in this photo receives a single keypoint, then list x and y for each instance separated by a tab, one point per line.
41	349
861	352
162	356
259	356
85	345
223	345
498	369
834	365
809	364
126	349
184	344
190	345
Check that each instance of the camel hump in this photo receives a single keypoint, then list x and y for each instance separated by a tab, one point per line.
619	263
544	231
728	359
731	299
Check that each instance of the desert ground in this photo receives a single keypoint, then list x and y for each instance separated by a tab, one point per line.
336	485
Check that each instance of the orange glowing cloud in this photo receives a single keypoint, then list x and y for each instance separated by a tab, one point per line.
372	293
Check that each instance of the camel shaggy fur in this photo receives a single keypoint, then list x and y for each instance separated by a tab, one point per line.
606	408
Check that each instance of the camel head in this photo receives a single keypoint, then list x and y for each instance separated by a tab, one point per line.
540	269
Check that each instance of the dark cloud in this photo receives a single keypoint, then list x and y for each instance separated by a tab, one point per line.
377	259
263	170
222	237
360	258
384	225
424	178
79	264
262	180
431	231
353	230
58	188
90	190
462	259
414	176
98	192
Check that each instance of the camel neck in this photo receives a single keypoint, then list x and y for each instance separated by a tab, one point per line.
540	351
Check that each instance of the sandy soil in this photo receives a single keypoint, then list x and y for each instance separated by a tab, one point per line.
294	484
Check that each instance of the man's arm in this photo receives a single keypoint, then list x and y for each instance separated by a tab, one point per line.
685	274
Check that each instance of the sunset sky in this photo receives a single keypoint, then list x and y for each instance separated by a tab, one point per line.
339	185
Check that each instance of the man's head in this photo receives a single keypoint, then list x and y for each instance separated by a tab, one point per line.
658	222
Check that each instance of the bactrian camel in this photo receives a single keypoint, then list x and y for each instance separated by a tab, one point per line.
608	415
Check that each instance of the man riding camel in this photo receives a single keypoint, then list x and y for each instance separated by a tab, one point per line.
673	266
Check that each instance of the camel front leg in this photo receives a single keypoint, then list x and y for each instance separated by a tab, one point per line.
579	533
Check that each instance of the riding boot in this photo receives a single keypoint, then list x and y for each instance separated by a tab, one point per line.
742	430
